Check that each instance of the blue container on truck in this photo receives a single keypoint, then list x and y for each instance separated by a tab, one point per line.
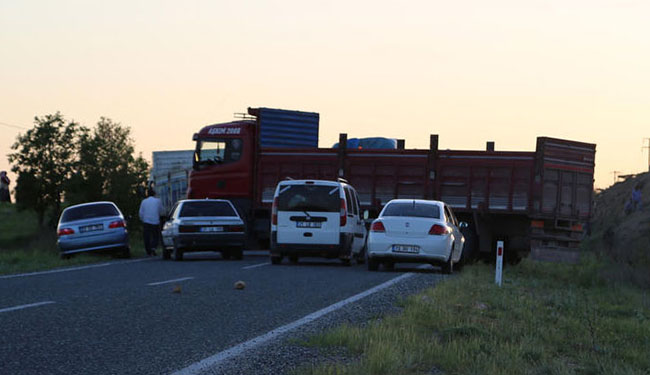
285	128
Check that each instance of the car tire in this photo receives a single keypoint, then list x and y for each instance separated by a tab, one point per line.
373	265
276	259
225	254
178	254
166	254
346	261
238	254
66	256
389	266
293	259
448	266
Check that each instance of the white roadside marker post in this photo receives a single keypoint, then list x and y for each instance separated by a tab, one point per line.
499	270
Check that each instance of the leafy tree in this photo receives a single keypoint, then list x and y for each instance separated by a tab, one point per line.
45	159
107	169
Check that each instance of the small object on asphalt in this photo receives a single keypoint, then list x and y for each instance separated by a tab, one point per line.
240	285
177	289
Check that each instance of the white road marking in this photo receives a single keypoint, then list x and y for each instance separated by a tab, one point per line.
256	265
73	268
26	306
236	350
170	281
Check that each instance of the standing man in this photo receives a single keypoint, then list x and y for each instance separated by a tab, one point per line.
4	187
151	210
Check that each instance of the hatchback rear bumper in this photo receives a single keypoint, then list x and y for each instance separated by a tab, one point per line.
340	250
112	240
212	241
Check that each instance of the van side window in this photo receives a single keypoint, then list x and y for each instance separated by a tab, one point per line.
348	200
355	196
355	206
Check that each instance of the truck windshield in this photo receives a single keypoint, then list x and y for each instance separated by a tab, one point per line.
309	198
218	151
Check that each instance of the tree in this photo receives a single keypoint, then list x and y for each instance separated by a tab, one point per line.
107	169
45	159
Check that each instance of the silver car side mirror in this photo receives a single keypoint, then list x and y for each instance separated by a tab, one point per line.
463	224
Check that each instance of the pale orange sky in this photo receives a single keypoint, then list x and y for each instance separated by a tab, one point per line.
469	70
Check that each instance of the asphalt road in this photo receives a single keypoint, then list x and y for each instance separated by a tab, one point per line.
125	318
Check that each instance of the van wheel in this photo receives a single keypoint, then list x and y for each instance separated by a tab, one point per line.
276	259
373	265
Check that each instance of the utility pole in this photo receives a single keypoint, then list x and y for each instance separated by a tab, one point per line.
615	173
648	147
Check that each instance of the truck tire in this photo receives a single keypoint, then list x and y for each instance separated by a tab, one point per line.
276	259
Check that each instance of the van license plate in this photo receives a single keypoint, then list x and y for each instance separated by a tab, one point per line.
412	249
308	224
211	229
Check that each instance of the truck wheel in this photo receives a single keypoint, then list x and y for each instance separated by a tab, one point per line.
178	254
276	259
166	254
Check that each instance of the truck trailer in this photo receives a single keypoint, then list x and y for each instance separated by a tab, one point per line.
536	201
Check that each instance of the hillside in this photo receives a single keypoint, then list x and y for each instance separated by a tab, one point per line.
623	238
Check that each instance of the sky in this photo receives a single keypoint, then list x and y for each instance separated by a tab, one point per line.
471	71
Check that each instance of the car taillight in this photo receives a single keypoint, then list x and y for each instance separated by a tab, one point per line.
65	231
117	224
344	213
439	230
274	212
377	226
235	228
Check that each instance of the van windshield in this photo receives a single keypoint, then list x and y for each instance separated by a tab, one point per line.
309	198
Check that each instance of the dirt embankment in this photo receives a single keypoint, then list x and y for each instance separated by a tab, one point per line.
623	235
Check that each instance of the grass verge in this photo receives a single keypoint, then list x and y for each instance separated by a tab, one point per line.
545	319
26	248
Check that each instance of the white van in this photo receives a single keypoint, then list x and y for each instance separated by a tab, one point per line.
316	218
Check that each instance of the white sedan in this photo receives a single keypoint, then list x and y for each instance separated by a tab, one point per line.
415	231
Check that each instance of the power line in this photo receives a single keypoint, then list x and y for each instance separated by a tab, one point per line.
13	126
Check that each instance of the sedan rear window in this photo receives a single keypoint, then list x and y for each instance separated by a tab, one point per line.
322	198
207	208
412	209
89	211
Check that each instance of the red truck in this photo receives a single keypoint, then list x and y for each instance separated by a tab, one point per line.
535	201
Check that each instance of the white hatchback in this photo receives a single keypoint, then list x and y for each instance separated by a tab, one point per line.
415	230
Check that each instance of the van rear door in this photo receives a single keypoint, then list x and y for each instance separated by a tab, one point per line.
309	214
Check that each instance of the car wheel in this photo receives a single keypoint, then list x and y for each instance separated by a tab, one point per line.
389	266
293	259
346	261
166	254
239	254
225	254
178	254
373	265
66	256
448	266
276	259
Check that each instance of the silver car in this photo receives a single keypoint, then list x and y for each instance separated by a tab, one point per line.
203	224
91	227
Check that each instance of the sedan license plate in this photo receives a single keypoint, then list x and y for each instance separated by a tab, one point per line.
412	249
211	229
91	228
308	224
